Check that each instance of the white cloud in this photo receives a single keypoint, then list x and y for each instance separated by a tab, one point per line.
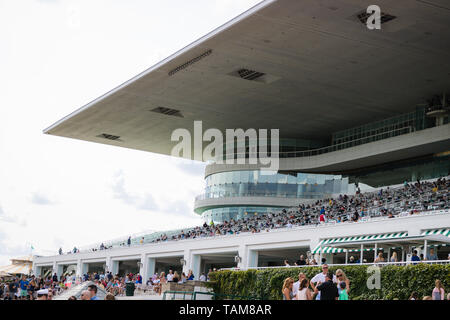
56	56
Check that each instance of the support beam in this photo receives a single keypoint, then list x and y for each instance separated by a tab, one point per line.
362	254
375	253
425	249
252	260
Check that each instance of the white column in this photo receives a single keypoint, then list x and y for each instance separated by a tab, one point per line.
151	267
389	255
252	259
403	253
346	256
79	272
143	268
242	253
54	268
375	251
362	254
108	264
37	270
187	259
59	270
115	267
425	249
195	264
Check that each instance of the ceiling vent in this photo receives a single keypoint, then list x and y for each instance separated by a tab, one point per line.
385	17
249	74
109	137
190	62
168	112
254	76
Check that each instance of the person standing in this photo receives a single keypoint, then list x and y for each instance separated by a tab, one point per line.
343	295
287	289
438	292
296	285
13	287
431	255
23	284
303	292
321	278
328	289
415	257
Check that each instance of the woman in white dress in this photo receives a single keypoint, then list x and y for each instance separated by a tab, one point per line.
303	292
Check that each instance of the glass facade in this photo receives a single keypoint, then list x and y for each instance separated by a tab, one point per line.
219	215
408	170
255	183
386	128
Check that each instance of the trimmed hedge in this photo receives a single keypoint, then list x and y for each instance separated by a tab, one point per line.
396	281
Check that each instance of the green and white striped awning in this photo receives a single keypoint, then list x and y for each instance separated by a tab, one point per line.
444	232
384	236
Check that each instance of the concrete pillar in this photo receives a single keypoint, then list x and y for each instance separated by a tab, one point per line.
362	254
37	271
150	268
252	259
108	263
375	252
59	270
115	267
242	253
84	268
195	263
79	272
425	249
187	264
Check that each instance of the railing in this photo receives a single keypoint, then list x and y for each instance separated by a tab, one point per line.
315	152
214	296
227	194
285	228
380	264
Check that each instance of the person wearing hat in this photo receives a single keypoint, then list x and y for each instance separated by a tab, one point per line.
42	294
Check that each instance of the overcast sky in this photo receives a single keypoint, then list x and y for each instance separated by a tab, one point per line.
55	56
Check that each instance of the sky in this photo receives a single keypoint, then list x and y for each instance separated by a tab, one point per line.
56	56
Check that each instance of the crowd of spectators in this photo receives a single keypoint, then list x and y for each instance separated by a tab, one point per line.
327	285
31	287
409	199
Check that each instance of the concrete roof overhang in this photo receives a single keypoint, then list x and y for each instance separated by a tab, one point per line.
325	71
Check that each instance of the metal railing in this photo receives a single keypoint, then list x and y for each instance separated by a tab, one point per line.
227	194
214	296
315	152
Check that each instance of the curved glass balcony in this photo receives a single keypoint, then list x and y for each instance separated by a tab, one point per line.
314	152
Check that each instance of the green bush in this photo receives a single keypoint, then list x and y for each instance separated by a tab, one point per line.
396	281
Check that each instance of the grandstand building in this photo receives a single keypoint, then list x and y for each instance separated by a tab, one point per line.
353	106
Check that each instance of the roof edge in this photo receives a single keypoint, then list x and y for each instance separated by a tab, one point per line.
242	16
